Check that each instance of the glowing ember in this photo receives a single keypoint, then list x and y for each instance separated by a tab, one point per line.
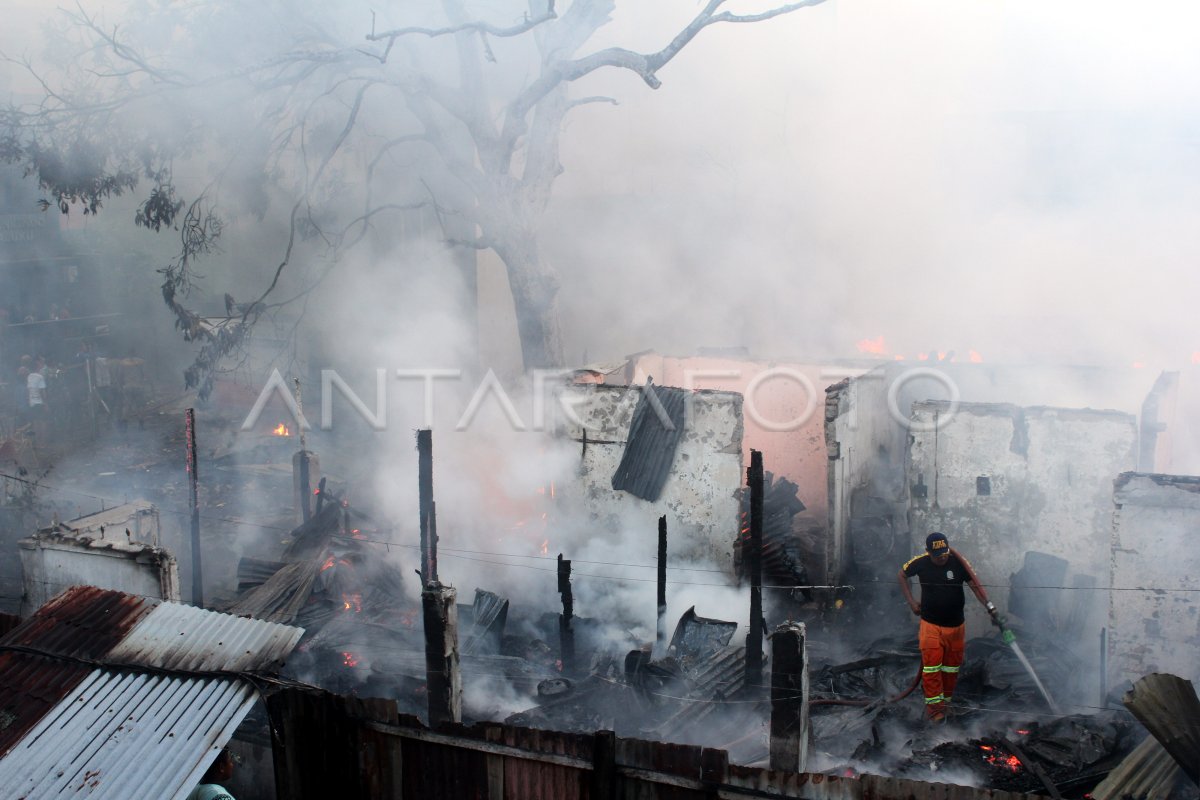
1000	758
874	346
349	659
329	562
1023	733
407	618
281	430
545	546
352	602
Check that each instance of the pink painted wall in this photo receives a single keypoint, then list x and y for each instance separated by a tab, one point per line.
798	453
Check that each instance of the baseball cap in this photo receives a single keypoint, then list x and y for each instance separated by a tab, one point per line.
936	544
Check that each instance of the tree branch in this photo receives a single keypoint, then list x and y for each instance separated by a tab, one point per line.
481	27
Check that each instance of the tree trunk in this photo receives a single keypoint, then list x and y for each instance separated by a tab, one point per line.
534	288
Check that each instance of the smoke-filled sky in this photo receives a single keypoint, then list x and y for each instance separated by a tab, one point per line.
1016	178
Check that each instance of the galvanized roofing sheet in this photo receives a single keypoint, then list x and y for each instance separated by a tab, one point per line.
127	736
29	687
67	724
654	434
82	622
180	637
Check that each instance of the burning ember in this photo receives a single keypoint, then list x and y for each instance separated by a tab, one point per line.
1001	759
349	659
874	346
281	430
352	602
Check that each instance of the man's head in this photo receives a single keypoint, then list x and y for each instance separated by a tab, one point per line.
937	547
221	768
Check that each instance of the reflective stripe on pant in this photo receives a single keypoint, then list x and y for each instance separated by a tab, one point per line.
941	656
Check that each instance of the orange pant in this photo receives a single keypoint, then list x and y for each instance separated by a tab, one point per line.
941	656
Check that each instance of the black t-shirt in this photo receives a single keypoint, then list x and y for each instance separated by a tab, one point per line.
941	588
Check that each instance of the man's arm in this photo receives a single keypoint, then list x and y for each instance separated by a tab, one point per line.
977	589
908	595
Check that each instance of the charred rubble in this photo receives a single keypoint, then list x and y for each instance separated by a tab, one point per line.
866	715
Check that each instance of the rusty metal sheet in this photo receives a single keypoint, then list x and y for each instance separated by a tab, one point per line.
182	637
1169	708
1148	773
128	736
29	687
82	622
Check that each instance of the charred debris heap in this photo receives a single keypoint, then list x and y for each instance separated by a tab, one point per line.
826	698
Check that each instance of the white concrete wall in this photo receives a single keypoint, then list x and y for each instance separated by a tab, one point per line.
1154	621
1051	473
54	563
700	496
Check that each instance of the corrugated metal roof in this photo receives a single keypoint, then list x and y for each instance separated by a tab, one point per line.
71	727
181	637
654	434
82	622
29	687
1147	773
127	736
1169	708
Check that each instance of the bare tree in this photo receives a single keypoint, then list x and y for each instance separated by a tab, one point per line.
339	126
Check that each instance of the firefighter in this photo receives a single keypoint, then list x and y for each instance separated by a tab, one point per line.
942	571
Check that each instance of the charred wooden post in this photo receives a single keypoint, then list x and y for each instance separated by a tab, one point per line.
566	632
789	698
443	679
306	468
194	494
660	641
320	495
604	766
425	499
754	654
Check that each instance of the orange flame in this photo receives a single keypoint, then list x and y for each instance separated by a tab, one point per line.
545	546
281	430
874	346
349	659
974	357
352	602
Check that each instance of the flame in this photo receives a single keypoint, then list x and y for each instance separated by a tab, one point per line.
352	602
1023	733
1000	758
545	546
281	430
874	346
974	357
922	356
329	562
349	659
